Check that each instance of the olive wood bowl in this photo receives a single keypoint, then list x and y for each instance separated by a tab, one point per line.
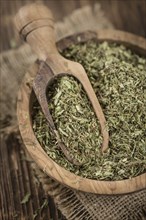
24	108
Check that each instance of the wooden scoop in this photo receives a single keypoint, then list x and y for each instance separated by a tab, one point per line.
35	24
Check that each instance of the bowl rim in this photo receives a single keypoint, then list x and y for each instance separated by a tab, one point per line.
50	167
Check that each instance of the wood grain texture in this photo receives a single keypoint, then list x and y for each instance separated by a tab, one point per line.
17	179
126	15
50	167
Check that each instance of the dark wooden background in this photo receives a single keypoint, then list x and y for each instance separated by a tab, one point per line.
15	174
128	15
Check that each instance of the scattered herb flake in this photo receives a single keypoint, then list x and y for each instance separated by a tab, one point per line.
26	198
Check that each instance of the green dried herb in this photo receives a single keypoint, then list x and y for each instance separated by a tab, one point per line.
118	77
39	210
26	198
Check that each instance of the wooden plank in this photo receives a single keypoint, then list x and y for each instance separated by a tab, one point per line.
128	16
16	180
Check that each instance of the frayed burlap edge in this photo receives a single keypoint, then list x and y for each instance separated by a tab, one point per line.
78	205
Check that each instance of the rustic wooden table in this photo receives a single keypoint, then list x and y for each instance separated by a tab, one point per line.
15	173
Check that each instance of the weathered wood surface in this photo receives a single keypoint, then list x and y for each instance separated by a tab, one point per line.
15	173
126	15
16	180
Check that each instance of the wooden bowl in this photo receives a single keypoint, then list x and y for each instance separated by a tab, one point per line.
50	167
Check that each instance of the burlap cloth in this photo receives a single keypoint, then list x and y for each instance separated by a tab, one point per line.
73	204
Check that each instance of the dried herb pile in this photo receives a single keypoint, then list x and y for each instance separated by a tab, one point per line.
118	77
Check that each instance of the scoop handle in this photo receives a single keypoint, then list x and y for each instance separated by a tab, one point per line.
35	24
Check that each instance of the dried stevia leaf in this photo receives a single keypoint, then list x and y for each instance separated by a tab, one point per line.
26	198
